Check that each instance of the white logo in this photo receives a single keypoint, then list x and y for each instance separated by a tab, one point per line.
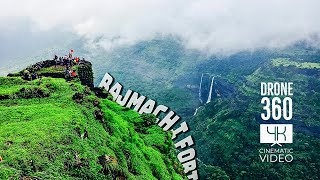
276	133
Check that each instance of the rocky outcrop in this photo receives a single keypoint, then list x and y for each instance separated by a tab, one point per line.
85	73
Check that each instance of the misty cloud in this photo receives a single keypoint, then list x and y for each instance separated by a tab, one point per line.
211	26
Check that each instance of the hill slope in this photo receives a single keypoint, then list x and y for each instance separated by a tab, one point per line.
51	128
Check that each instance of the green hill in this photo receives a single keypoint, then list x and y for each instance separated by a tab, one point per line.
57	129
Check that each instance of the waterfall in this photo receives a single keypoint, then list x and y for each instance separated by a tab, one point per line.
200	89
195	112
210	92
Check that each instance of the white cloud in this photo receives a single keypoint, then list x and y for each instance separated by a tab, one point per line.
212	26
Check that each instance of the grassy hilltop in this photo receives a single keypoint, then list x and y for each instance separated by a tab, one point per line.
54	129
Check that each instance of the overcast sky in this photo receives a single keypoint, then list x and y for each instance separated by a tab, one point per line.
211	26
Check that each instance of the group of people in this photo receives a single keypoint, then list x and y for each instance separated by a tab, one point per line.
70	73
68	61
27	75
30	72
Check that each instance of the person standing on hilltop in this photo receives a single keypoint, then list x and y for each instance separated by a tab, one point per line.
70	53
56	60
64	60
60	61
34	76
73	73
68	62
26	74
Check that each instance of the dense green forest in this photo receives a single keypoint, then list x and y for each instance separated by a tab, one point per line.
228	129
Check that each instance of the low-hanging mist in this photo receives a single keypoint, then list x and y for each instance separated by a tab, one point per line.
210	26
